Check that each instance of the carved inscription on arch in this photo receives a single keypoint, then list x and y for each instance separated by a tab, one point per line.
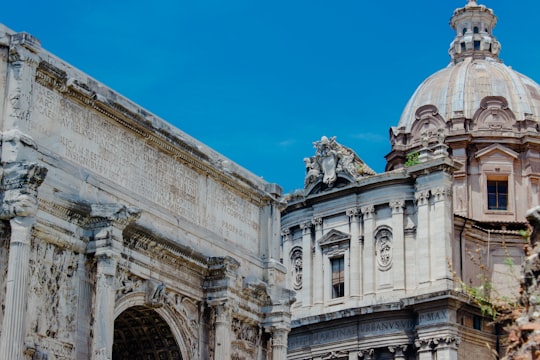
99	144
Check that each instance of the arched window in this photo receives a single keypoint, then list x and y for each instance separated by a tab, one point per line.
475	30
464	31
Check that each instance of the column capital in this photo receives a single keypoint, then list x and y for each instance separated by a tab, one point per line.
441	193
422	197
20	181
397	206
368	211
306	226
353	212
286	234
423	344
398	350
317	222
449	341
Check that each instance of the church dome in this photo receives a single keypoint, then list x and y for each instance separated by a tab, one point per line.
475	73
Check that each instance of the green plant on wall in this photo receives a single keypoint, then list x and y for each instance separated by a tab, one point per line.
412	159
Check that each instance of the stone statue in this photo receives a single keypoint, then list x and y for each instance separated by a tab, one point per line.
331	159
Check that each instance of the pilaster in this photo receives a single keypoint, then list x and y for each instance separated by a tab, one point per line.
318	264
307	279
441	234
398	235
355	254
368	213
423	247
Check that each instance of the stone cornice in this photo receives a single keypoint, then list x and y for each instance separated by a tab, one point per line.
54	78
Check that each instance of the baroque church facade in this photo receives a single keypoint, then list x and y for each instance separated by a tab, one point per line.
377	260
121	237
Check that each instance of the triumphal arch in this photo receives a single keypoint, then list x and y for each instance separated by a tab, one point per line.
121	237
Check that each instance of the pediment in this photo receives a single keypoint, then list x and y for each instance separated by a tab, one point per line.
334	237
497	149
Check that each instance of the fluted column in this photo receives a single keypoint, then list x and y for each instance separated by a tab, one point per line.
279	343
307	279
398	235
368	213
318	264
109	220
355	254
19	205
222	330
423	246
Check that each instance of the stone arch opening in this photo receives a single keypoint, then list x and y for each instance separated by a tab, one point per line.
141	333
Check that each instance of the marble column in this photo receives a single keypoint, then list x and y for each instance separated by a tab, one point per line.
368	213
423	246
19	205
108	220
222	330
307	281
398	235
355	252
318	273
279	343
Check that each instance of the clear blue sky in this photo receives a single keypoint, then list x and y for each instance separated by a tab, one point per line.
259	81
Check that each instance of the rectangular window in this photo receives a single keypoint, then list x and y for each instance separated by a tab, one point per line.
338	277
497	191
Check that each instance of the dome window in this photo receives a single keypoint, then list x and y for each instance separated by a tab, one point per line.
475	30
464	31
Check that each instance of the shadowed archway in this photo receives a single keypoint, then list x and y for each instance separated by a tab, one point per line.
141	333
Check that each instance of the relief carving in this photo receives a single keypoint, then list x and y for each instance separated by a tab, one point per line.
127	283
297	265
52	301
384	249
